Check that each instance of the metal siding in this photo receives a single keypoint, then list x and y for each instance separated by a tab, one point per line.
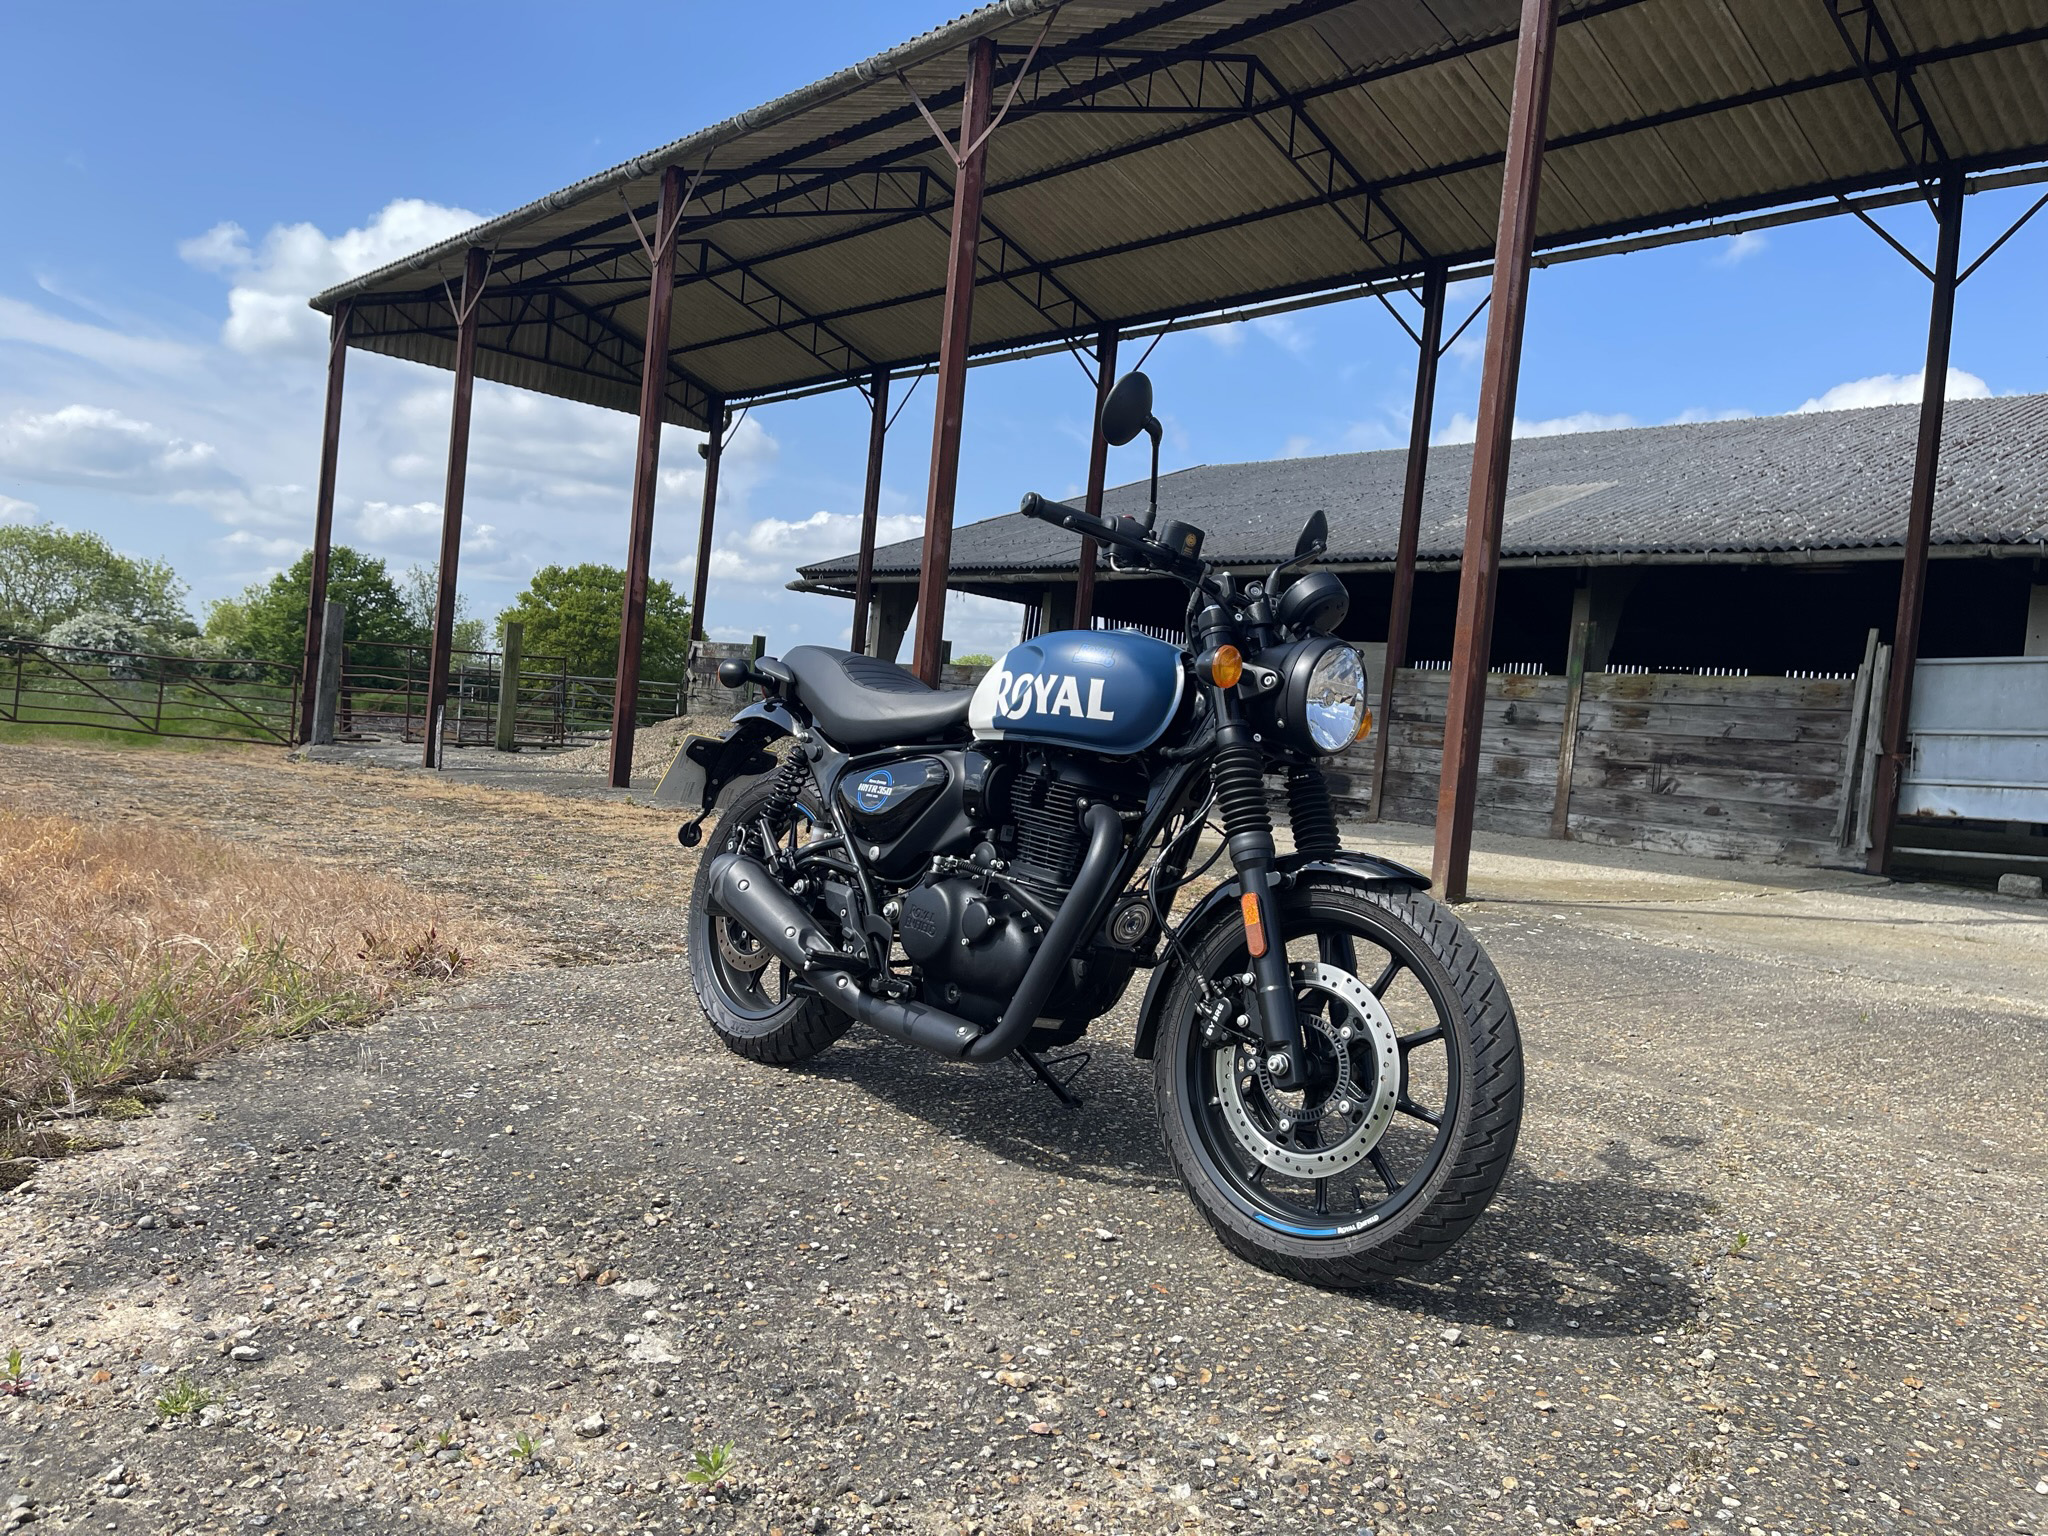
1618	66
1979	729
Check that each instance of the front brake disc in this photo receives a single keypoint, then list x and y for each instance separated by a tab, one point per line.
1348	1119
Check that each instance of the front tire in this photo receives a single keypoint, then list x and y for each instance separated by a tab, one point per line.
1420	1084
746	993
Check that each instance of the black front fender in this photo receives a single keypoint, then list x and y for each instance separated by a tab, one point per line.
1221	905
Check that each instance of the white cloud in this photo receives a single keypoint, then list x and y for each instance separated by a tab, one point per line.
384	522
1698	413
1298	446
411	528
275	552
272	281
13	507
749	458
1286	332
1462	428
87	445
1893	389
1740	248
769	550
25	323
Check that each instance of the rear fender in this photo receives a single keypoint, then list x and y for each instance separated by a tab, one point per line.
708	765
1221	905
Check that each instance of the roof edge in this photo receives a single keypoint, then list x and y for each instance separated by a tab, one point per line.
926	45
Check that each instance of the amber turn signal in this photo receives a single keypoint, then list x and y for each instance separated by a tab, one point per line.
1364	725
1254	930
1222	666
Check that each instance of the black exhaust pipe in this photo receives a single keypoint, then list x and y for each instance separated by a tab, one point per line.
747	892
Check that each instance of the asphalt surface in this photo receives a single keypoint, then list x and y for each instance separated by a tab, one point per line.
1769	1261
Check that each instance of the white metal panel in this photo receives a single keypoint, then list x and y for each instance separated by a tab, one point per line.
1979	740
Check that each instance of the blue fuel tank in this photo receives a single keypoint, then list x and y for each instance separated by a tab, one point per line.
1111	691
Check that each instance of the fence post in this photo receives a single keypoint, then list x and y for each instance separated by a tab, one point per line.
327	686
1574	691
755	651
509	658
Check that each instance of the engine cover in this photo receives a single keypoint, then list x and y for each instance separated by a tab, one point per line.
973	946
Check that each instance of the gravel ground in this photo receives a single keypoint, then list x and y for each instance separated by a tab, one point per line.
1769	1260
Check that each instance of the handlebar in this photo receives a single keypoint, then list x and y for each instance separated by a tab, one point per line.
1119	533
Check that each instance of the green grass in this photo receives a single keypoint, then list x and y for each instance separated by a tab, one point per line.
175	1402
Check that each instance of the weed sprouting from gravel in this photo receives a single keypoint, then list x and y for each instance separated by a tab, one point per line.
711	1467
130	952
523	1448
17	1368
182	1399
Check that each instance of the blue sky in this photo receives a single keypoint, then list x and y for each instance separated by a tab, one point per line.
178	178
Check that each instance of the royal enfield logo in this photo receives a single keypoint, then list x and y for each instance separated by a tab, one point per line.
1049	693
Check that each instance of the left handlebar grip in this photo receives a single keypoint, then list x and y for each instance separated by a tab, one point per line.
1036	506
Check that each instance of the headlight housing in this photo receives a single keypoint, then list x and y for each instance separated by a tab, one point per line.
1320	704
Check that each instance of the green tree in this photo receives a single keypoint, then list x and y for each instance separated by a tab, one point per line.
421	588
573	611
49	574
268	621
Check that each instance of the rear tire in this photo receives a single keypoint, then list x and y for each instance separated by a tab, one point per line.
778	1025
1323	1230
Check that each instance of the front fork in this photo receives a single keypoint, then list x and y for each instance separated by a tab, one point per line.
1238	772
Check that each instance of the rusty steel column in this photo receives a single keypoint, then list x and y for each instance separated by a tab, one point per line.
1098	469
323	511
870	507
1479	571
711	448
661	292
1891	762
473	273
963	248
1435	283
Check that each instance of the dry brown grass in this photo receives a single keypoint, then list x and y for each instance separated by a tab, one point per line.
128	952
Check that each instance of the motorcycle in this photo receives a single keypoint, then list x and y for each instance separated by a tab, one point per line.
1335	1061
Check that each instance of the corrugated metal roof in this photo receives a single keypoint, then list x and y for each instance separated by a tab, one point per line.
1145	172
1828	480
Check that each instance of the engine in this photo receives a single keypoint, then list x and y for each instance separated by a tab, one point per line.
973	923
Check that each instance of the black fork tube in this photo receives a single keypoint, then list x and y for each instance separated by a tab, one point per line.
1238	769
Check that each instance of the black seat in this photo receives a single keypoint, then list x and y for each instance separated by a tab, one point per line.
862	702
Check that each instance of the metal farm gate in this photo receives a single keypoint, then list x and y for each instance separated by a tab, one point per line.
1979	740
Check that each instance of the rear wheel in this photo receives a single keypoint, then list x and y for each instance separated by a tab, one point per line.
751	998
1408	1122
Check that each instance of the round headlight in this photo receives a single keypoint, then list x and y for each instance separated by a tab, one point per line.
1335	706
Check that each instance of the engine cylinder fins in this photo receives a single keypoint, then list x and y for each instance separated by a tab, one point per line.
1046	811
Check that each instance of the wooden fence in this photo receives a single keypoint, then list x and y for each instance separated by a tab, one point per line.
1749	767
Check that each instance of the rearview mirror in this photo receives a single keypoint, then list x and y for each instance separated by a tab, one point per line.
1315	536
1128	410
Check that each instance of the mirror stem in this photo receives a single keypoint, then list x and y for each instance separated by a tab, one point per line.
1153	430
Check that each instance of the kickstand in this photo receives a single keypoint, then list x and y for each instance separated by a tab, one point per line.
1061	1086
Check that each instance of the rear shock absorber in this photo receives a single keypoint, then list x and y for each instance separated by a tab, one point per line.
789	783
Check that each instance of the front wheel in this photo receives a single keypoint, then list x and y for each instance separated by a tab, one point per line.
1408	1122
